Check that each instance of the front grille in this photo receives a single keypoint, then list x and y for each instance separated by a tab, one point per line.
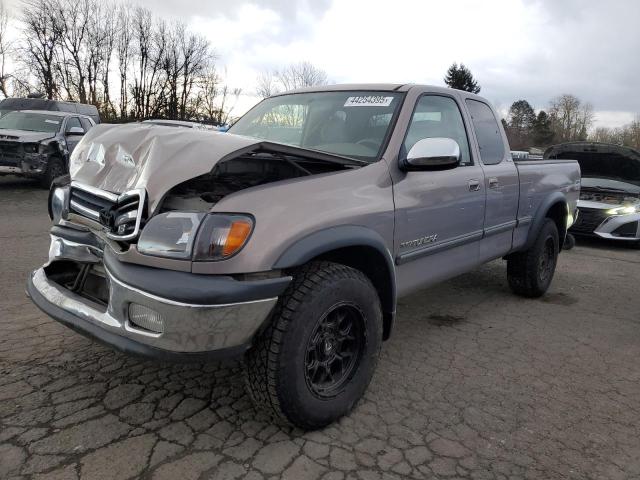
10	154
121	216
9	147
588	220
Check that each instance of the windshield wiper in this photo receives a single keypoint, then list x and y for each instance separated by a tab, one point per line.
312	154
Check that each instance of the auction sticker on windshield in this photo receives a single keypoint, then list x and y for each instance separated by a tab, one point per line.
368	101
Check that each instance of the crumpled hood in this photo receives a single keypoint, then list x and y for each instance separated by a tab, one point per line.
24	136
118	158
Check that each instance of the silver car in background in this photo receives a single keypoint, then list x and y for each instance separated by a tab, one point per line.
609	205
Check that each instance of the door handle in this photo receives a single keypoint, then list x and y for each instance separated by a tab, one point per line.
474	185
493	182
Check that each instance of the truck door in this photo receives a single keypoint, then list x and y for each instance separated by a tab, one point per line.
439	214
501	182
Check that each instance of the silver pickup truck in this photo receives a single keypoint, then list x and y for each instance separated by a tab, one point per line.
290	238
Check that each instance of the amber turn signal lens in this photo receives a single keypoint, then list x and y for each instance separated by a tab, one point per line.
238	234
222	235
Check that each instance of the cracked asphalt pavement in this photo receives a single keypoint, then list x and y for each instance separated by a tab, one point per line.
475	383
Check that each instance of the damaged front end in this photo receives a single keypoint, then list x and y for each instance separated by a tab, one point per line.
129	225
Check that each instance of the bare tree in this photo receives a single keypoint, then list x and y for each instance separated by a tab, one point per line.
196	56
123	41
266	84
290	77
186	57
72	48
104	41
627	135
570	118
6	48
42	35
215	100
150	40
75	18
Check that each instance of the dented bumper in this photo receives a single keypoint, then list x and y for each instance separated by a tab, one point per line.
177	316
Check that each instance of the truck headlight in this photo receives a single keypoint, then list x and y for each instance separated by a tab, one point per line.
626	210
184	235
222	236
170	234
58	203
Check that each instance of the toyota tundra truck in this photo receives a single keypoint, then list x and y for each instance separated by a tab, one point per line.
289	239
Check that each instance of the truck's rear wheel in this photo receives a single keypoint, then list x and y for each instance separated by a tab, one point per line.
530	272
315	359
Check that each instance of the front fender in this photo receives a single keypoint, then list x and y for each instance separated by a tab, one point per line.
350	239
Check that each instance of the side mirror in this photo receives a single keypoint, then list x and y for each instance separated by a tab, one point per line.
432	154
75	131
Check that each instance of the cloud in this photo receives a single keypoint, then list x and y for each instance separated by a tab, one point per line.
531	49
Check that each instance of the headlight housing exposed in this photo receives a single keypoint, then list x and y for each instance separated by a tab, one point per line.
625	210
203	237
170	234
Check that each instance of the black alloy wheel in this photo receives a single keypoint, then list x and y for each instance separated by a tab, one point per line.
334	350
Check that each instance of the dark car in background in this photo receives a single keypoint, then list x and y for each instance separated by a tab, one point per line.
15	104
609	205
37	144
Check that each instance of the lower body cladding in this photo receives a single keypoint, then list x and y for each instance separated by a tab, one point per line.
78	288
597	222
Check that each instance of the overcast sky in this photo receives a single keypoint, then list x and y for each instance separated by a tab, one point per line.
531	49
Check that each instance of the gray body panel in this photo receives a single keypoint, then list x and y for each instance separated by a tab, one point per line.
471	227
426	226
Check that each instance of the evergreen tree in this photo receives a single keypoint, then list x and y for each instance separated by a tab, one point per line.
460	77
543	135
522	118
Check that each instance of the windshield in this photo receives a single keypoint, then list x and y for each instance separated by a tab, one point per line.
31	122
353	124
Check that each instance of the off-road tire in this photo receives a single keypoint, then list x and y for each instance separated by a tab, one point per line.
55	168
276	367
529	272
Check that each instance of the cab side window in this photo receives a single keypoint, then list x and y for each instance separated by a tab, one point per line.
487	132
436	117
86	124
72	122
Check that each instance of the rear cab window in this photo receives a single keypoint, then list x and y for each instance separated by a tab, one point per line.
487	132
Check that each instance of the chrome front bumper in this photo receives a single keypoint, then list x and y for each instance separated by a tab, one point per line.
186	328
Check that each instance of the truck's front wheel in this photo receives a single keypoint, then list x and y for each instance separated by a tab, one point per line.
315	359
